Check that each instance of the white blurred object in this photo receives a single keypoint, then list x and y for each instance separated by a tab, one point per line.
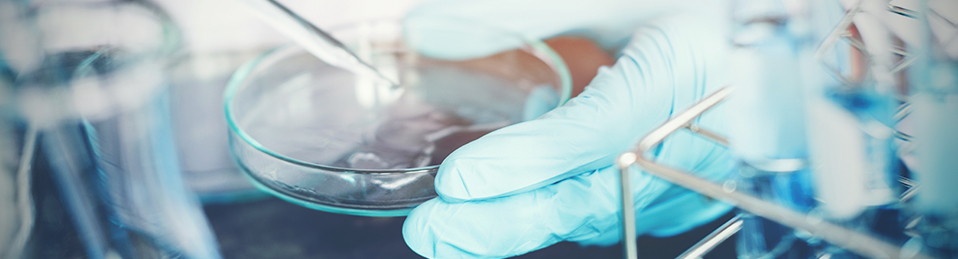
850	147
223	25
937	118
935	98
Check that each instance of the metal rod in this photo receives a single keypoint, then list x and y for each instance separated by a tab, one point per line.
313	39
902	11
627	159
899	51
679	121
854	241
715	238
858	45
912	186
330	39
630	251
836	33
902	136
908	194
906	181
903	111
714	137
904	64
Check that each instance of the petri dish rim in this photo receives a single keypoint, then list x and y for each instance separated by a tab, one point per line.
321	207
533	47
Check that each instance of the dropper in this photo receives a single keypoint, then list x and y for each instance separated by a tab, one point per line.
315	40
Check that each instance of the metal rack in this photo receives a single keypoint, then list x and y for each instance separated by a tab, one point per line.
858	242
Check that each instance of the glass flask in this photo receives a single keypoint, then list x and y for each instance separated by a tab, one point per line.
90	78
768	134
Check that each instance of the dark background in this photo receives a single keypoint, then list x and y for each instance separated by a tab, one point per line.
272	228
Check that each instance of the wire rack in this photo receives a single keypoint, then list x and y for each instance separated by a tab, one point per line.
854	241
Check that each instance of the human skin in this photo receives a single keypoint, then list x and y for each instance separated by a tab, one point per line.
582	56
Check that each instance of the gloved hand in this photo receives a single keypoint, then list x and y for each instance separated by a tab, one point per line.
533	184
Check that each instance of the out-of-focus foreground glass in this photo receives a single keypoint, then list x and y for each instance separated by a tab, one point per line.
934	95
324	138
89	78
825	127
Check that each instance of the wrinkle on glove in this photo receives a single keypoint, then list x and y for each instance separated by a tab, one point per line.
517	224
530	185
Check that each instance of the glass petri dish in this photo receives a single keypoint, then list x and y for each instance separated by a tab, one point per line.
328	139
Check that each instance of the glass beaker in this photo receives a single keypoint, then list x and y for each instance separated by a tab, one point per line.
90	77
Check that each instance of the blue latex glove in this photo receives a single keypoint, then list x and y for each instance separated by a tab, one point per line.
533	184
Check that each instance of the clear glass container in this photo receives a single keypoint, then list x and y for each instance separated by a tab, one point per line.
323	138
90	86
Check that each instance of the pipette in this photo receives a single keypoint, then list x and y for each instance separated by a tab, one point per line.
315	40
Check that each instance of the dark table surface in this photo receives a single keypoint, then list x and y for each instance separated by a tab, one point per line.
272	228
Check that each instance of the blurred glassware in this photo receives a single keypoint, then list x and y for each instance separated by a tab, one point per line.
90	77
934	97
852	91
849	63
768	134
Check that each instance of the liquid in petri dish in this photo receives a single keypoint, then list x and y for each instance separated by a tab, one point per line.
323	121
415	137
443	110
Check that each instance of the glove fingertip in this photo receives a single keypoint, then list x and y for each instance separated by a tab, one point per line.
415	231
450	184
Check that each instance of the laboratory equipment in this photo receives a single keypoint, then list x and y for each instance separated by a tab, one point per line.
329	139
850	239
313	39
852	81
768	136
219	37
89	87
